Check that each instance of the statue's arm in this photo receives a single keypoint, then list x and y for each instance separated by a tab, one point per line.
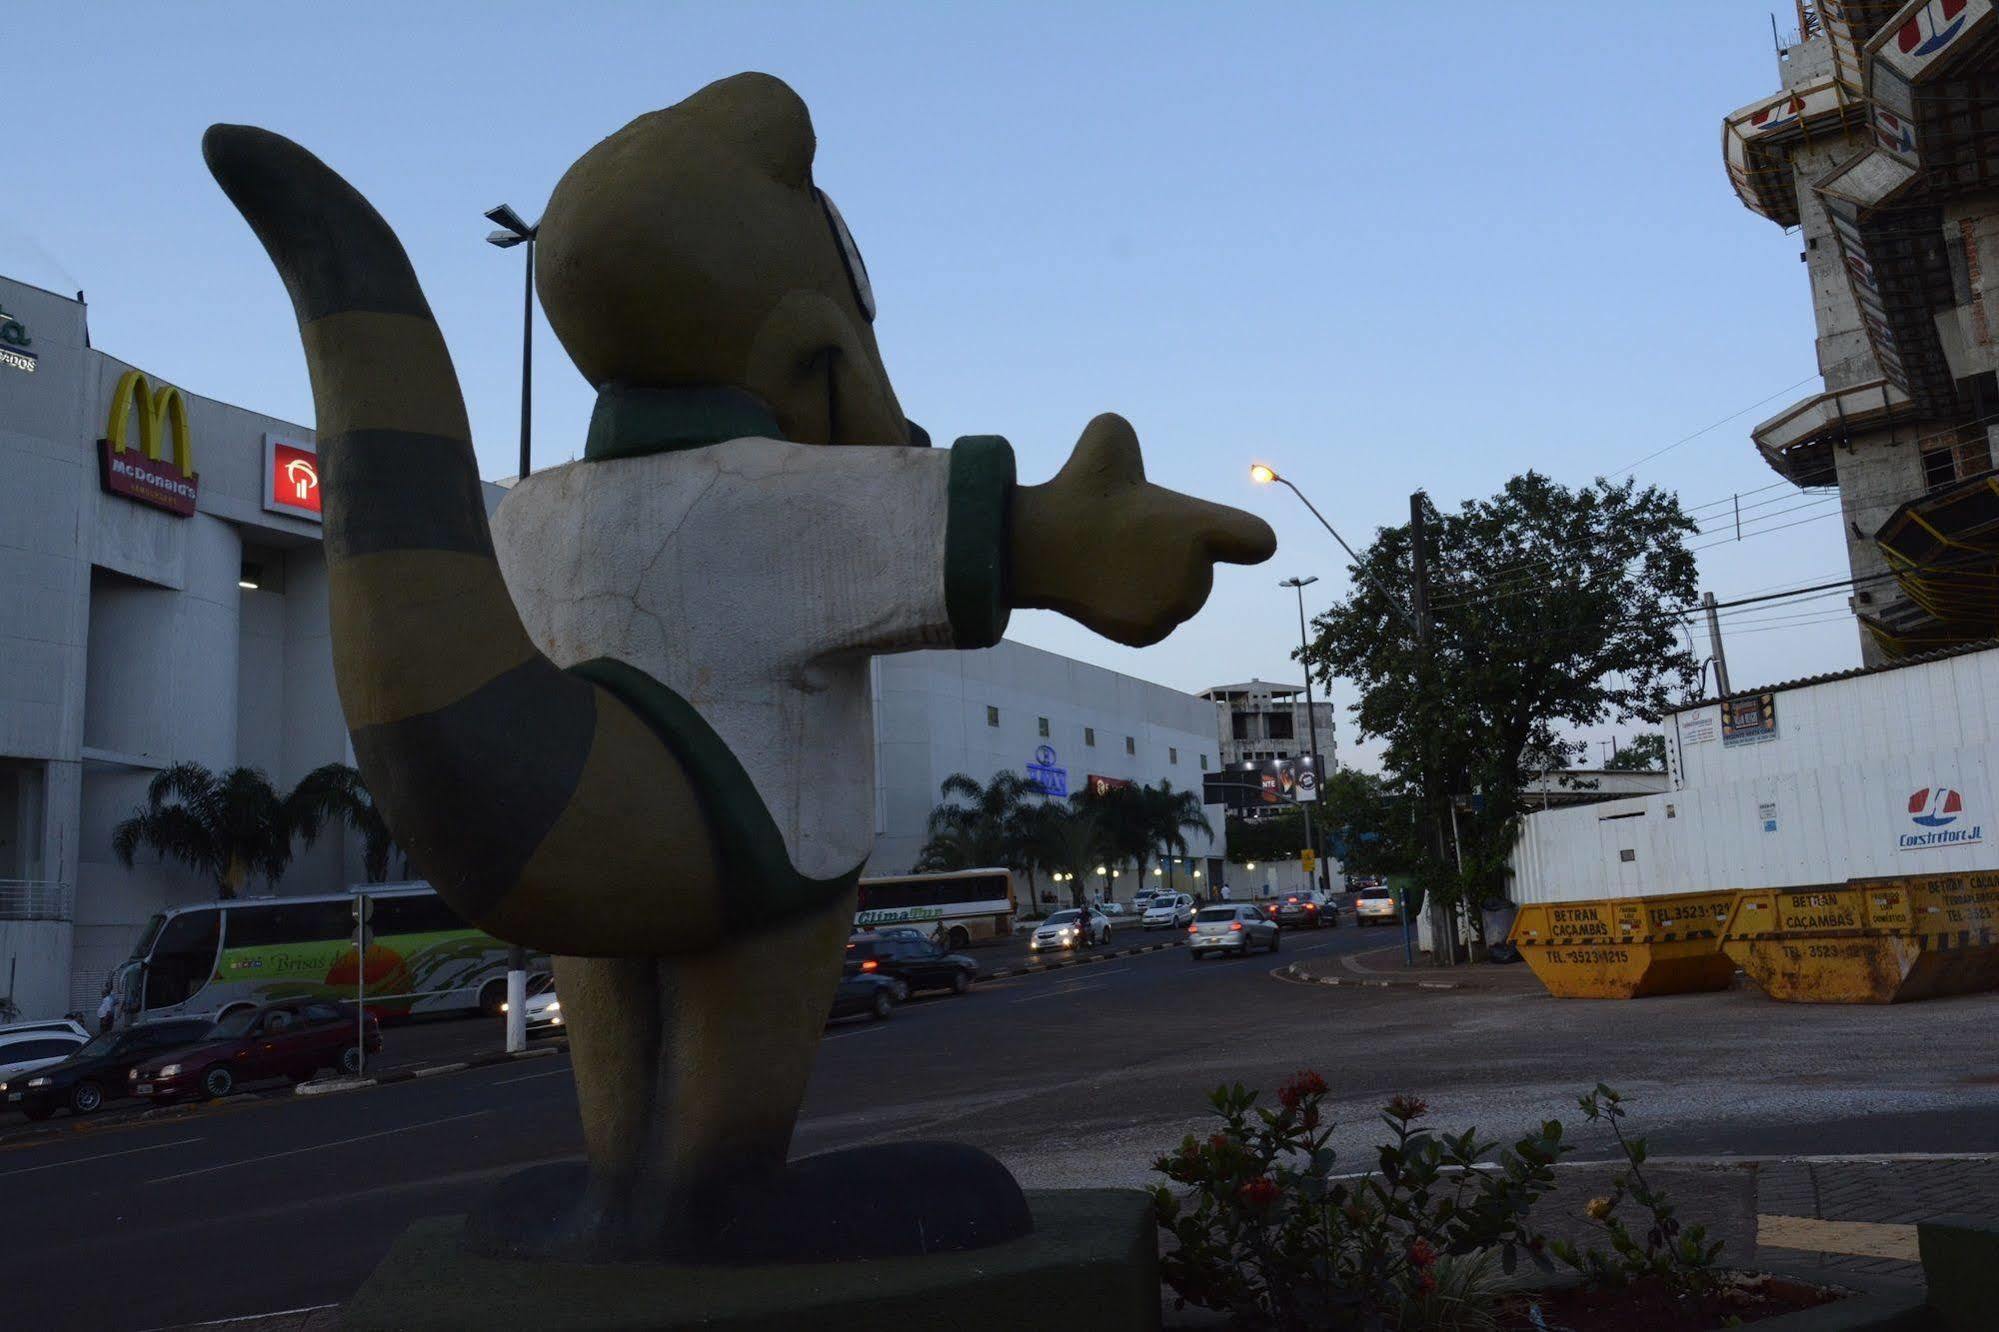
1108	549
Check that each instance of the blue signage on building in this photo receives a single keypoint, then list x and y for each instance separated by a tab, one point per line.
1046	774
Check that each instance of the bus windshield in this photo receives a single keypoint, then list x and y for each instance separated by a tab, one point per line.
149	935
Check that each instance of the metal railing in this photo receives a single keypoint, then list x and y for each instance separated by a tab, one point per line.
36	899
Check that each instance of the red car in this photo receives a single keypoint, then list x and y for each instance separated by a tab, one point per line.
294	1038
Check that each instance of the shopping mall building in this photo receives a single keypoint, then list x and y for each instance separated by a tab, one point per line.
163	599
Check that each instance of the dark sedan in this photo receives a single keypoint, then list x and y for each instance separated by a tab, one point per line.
917	964
99	1070
864	992
292	1039
1306	910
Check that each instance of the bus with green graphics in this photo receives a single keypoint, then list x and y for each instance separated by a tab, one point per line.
217	956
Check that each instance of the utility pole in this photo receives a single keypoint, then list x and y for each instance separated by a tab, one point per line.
1323	876
1443	944
1714	637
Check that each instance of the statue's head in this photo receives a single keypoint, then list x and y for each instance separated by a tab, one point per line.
691	249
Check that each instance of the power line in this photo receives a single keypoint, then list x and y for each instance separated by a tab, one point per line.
1684	439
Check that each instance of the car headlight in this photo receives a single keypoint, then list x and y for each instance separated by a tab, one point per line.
169	1071
554	1006
38	1082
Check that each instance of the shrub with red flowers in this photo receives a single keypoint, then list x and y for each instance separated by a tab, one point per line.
1267	1232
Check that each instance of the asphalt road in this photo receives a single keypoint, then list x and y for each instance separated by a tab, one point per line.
1076	1076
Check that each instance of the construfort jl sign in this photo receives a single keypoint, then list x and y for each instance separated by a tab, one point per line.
1937	816
147	474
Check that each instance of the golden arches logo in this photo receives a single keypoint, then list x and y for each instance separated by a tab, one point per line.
159	410
147	474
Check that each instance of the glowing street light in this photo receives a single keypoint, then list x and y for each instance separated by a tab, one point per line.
1263	475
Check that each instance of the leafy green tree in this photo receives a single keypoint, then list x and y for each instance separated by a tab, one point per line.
1172	815
1646	753
1553	609
335	792
228	827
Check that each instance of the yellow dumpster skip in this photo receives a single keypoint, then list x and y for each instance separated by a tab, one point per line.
1627	947
1873	941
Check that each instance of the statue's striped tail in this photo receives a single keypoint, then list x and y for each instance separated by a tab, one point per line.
539	805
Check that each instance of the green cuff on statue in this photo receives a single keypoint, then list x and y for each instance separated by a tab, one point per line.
975	540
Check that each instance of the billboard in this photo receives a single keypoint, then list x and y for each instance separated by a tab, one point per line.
147	474
1264	784
291	478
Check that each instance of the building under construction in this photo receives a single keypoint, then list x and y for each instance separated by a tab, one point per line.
1882	153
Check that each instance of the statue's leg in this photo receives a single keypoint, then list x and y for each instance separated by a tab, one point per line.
739	1029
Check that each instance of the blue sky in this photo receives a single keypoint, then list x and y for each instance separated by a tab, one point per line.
1383	247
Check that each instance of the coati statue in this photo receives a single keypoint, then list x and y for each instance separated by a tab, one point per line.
630	723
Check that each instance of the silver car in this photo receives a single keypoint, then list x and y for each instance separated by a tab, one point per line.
1231	929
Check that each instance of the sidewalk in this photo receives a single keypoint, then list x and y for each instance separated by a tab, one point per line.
1823	1218
1384	968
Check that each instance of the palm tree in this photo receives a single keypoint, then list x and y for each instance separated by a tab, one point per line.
1170	815
1070	841
228	827
1120	812
334	791
991	827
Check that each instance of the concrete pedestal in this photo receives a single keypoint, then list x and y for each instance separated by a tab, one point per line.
1091	1263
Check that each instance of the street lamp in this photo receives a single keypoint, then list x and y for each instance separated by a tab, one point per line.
1263	475
1324	875
513	231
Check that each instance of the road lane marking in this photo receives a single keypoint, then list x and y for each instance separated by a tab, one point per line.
857	1031
247	1318
530	1077
1054	994
101	1156
317	1146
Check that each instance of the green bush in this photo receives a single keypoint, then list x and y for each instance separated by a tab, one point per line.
1270	1236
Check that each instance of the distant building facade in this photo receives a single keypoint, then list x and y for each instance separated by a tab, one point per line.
1259	720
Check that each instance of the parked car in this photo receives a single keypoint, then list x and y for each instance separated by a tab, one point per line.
1305	910
30	1046
1071	929
863	992
917	963
1143	898
935	934
1168	911
1375	906
294	1038
1112	908
68	1024
98	1071
1231	929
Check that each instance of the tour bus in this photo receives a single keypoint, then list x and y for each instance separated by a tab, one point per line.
209	959
959	907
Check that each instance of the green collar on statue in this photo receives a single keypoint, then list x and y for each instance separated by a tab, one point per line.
629	422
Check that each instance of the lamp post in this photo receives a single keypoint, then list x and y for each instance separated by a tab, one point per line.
1324	875
513	231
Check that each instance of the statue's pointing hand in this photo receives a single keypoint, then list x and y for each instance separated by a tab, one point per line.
1107	548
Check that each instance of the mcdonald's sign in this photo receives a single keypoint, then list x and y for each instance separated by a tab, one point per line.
147	474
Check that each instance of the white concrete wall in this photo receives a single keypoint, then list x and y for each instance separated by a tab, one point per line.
1825	801
930	721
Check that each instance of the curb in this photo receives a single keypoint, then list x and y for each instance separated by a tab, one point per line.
334	1086
1290	972
1082	961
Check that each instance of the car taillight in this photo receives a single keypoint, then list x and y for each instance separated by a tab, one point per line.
1193	929
1311	906
870	965
1235	924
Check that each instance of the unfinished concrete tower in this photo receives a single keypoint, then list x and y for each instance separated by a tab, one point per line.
1881	151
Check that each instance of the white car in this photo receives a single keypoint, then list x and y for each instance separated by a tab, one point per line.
28	1047
1168	911
1067	929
